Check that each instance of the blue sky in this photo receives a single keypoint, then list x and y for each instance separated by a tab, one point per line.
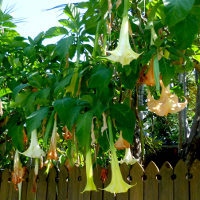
36	18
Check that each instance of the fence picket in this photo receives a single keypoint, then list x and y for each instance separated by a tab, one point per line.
181	185
97	180
30	195
108	195
42	185
151	183
51	187
5	185
74	182
25	185
166	182
125	173
136	173
63	183
195	180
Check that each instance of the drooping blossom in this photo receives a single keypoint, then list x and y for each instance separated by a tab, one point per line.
128	158
121	143
52	154
123	53
19	171
167	103
34	150
90	186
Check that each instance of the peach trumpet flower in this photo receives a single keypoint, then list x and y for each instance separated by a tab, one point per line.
52	154
123	53
121	143
168	102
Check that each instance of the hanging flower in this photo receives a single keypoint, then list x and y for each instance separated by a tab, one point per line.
149	77
123	53
19	171
121	143
117	184
168	102
104	174
89	173
67	134
34	150
52	154
128	158
17	175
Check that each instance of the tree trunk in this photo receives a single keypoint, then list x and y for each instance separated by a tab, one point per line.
192	146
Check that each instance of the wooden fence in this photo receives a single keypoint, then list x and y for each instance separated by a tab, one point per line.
167	183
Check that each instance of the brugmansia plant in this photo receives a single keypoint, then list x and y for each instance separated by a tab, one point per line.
68	91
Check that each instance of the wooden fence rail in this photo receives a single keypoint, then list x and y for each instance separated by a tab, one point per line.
150	183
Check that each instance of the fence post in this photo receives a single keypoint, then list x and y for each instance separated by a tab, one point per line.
30	195
136	174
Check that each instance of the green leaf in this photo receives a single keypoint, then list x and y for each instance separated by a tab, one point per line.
16	133
177	10
60	86
5	91
83	129
156	73
100	77
34	120
63	46
125	120
55	31
68	110
68	24
167	71
185	31
18	89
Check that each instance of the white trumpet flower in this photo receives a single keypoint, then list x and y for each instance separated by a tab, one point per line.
128	158
123	53
34	150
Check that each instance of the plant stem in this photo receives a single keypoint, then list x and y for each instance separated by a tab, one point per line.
125	7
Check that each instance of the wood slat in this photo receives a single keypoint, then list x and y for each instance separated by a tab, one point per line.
83	182
5	185
166	182
151	183
63	183
42	184
74	182
181	185
99	184
13	193
125	169
30	195
136	174
25	185
195	181
108	195
51	186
